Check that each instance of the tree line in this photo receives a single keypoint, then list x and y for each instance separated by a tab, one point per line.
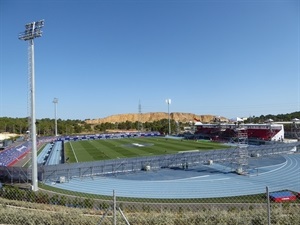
289	117
278	118
46	127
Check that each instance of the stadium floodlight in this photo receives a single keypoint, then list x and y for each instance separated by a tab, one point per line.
32	30
168	101
55	101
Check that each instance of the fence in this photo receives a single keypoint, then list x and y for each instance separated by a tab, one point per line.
46	207
59	202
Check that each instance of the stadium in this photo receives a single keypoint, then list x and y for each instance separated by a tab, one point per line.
147	165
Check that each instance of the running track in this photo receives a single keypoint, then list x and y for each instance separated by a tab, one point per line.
282	176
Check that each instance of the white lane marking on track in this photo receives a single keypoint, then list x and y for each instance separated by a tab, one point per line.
190	178
271	171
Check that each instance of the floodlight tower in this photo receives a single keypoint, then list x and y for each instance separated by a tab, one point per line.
32	30
168	101
55	101
140	126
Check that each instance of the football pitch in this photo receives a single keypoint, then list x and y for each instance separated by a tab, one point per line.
105	149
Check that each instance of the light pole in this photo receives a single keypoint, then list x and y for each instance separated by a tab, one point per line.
32	30
55	101
168	101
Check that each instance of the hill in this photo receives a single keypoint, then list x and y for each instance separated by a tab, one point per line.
153	116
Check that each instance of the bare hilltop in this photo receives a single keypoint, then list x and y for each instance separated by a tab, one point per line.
154	116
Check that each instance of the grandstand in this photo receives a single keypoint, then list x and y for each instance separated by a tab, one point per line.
51	154
14	153
11	155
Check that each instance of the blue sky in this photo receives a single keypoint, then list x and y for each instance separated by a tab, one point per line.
102	57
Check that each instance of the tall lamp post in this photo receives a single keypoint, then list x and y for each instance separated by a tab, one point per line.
32	30
168	101
55	101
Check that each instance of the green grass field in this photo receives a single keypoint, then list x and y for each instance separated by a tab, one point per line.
93	150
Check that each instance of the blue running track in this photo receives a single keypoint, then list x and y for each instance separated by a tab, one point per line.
204	182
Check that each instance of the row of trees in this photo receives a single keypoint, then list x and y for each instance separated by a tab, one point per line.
46	127
289	117
277	118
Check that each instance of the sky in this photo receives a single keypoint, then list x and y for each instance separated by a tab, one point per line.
231	58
